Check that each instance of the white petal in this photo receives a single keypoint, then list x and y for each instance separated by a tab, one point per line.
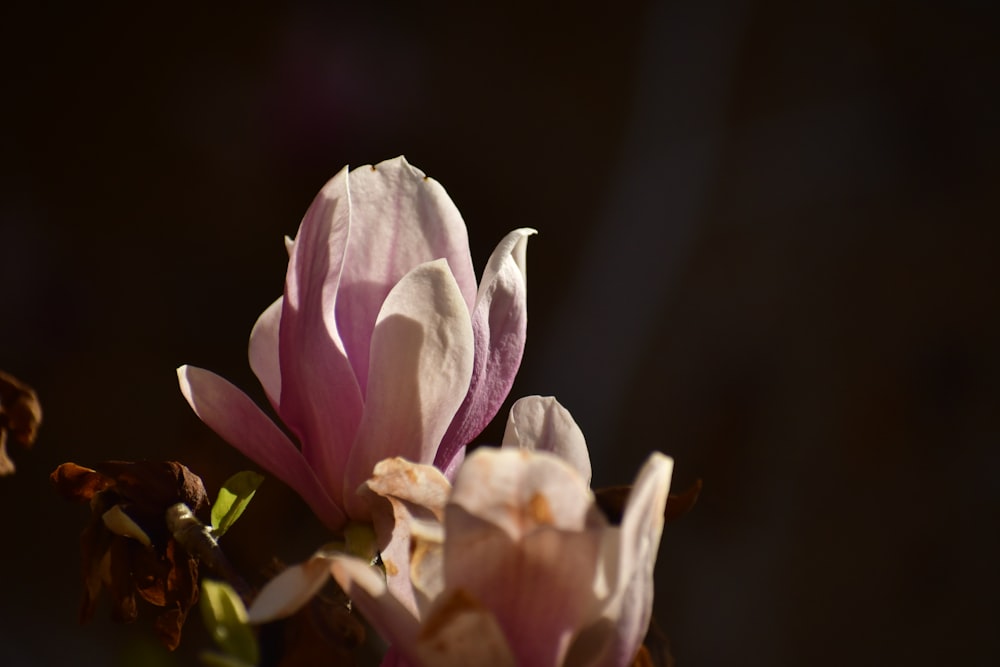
630	554
542	424
519	490
290	590
421	362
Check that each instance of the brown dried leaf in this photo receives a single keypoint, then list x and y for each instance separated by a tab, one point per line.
79	484
162	574
612	500
20	415
681	503
7	466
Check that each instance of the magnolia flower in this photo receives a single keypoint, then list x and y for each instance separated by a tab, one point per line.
515	565
382	345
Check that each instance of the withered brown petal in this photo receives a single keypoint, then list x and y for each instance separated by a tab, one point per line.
76	483
95	545
157	484
166	580
642	658
20	410
7	466
162	574
149	572
181	595
168	626
122	589
24	417
181	580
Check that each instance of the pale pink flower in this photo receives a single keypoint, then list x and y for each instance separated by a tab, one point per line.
513	566
382	344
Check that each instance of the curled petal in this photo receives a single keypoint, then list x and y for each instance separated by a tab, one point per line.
408	493
288	592
542	424
320	399
263	352
631	555
499	324
399	219
79	484
367	589
421	362
231	414
421	485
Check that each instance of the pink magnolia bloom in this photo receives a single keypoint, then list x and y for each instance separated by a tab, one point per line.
515	565
382	344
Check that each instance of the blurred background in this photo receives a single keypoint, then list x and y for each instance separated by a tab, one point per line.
767	247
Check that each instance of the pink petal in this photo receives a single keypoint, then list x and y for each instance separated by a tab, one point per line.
539	588
541	424
393	658
499	324
263	351
320	399
399	219
525	517
421	362
231	414
463	633
450	467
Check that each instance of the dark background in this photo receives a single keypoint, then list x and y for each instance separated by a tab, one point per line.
767	247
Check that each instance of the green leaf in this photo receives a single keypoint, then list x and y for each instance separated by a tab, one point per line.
234	496
226	620
211	659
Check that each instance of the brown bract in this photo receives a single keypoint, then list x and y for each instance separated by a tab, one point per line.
611	500
162	574
20	415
